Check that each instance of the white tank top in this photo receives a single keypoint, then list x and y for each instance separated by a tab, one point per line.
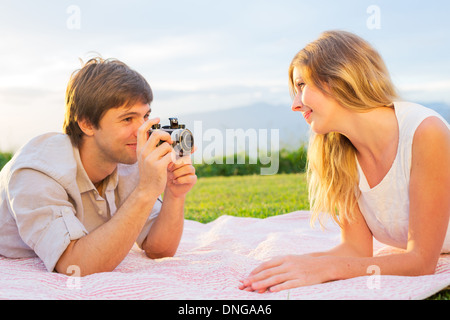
385	207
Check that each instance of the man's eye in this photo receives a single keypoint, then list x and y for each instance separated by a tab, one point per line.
128	119
146	116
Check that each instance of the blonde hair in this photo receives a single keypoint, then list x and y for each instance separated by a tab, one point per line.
348	69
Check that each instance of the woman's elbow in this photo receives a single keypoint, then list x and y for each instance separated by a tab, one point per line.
428	268
424	265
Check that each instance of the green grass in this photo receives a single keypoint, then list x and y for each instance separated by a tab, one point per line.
253	196
442	295
4	158
246	196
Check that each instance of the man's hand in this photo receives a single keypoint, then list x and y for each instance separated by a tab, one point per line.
180	177
165	234
153	160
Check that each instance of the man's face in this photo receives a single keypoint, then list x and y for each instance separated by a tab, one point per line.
116	136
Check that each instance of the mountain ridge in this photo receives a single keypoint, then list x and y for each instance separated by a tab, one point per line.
293	130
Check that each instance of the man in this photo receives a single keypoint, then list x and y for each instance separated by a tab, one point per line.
83	198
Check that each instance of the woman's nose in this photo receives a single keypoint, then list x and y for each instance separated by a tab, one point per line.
297	103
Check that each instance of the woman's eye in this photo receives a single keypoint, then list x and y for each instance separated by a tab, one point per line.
301	85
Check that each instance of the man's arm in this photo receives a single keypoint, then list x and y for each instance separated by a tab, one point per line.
165	234
104	248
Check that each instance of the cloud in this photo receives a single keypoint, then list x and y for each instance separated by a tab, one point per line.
426	91
154	51
202	55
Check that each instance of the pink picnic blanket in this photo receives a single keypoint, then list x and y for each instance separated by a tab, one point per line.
209	263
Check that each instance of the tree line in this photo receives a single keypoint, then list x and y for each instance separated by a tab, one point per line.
290	161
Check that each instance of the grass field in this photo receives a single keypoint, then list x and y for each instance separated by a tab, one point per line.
252	196
246	196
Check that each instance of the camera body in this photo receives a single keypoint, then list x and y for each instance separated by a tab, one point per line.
183	139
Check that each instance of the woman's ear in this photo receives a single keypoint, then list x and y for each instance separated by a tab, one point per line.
86	126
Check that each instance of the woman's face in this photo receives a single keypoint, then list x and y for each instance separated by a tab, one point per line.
318	109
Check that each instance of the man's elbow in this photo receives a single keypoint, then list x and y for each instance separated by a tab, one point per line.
159	250
152	254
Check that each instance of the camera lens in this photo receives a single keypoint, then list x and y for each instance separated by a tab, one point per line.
187	140
183	141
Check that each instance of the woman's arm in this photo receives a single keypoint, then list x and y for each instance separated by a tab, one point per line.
292	271
429	193
429	218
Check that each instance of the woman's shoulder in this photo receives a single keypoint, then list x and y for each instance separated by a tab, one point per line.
430	149
411	116
433	132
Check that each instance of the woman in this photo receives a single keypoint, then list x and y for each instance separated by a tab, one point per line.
378	167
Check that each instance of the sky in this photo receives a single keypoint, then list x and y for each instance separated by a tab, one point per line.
203	55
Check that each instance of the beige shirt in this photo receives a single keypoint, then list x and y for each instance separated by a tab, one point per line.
48	200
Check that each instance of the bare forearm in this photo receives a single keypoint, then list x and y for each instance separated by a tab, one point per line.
103	249
345	250
401	264
165	234
346	262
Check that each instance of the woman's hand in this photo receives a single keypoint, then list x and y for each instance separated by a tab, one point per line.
288	272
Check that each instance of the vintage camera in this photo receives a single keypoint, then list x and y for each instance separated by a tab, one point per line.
183	139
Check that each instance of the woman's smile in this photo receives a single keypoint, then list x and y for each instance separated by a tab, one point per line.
307	114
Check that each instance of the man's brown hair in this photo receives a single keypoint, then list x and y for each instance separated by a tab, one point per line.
98	86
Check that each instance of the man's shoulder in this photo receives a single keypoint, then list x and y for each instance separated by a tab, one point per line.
128	179
128	174
127	169
50	153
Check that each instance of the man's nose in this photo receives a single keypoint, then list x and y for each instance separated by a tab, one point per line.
297	103
139	123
